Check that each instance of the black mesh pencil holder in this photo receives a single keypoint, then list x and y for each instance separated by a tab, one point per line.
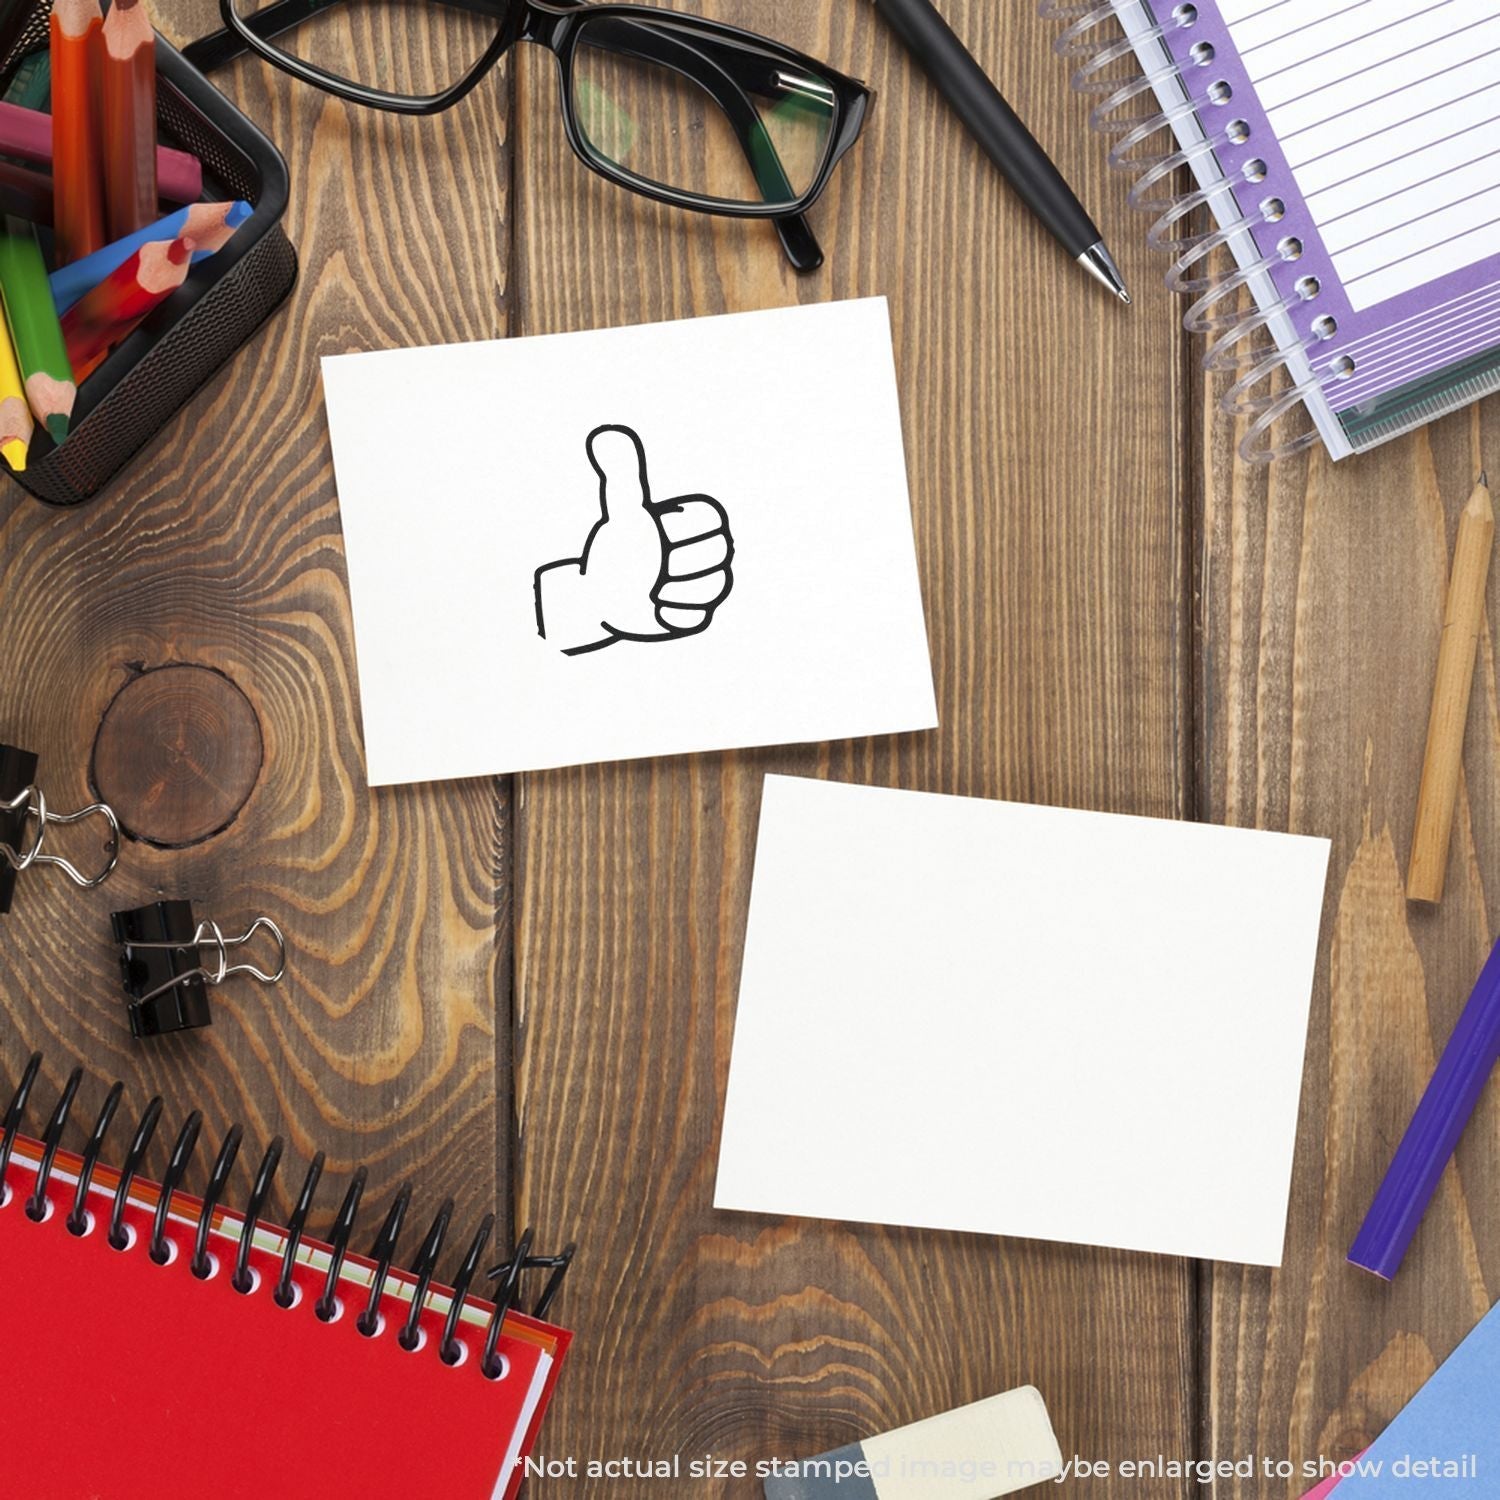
167	360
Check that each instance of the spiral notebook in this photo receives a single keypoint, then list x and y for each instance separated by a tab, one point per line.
138	1380
1348	151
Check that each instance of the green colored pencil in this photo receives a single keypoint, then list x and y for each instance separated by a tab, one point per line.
34	328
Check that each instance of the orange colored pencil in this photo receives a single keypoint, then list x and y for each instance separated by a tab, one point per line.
77	172
128	119
98	321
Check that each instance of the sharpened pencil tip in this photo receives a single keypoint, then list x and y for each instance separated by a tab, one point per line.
1484	478
57	427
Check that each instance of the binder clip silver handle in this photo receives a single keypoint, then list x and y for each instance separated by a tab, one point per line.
215	973
169	960
32	805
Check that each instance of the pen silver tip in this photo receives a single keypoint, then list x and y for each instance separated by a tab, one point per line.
1100	264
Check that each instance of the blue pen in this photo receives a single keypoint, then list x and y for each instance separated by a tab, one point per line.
209	223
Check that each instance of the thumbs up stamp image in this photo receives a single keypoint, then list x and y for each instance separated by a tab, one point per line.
650	570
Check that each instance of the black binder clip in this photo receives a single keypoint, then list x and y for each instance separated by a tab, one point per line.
25	820
166	977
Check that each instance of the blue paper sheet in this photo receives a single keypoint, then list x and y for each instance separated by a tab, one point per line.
1447	1439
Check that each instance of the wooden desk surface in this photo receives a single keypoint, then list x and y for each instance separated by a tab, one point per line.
521	991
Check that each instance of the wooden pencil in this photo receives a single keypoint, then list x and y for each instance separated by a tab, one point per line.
28	195
16	425
26	135
1463	620
78	182
25	193
128	91
208	225
34	328
99	320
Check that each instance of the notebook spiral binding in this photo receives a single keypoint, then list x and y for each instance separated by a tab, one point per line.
1117	114
508	1272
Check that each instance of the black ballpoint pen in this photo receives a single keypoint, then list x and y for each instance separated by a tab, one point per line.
1006	141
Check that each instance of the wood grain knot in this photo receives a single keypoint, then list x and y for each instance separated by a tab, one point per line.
178	753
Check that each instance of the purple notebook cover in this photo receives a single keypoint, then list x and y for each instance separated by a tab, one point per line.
1417	332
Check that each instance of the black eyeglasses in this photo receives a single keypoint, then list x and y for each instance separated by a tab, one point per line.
679	109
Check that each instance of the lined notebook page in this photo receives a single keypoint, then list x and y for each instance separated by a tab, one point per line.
1389	114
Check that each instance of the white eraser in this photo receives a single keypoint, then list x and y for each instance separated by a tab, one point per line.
1007	1439
977	1452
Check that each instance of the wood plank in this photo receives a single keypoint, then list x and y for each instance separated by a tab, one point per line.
1322	607
1045	455
222	550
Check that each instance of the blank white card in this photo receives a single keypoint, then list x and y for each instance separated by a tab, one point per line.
1018	1020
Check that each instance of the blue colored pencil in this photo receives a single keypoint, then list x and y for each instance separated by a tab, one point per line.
1433	1135
207	224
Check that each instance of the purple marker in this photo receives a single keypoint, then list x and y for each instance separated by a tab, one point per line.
1433	1135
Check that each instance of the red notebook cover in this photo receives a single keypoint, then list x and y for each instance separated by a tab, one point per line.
126	1380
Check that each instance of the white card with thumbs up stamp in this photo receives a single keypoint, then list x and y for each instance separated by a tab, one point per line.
640	541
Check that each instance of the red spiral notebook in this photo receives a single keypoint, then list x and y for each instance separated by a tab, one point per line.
130	1380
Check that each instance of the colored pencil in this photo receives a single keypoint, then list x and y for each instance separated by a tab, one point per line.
25	193
128	119
34	328
26	134
77	173
1463	623
98	321
16	425
1435	1130
208	225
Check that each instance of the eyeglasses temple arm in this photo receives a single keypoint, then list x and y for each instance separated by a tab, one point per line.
798	241
221	47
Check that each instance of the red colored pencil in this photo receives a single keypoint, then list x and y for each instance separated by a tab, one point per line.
128	119
78	182
98	321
